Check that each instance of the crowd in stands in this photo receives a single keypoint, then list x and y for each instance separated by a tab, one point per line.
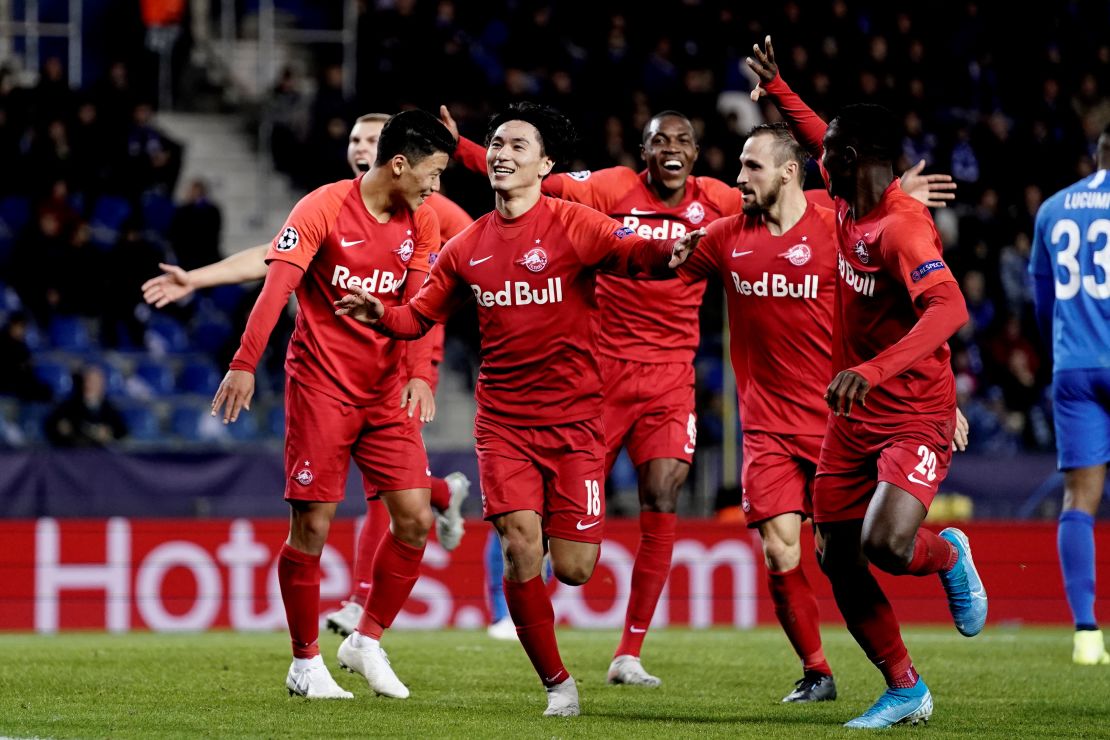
1012	115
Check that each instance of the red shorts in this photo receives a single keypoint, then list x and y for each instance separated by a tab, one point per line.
649	408
323	434
777	476
556	471
913	455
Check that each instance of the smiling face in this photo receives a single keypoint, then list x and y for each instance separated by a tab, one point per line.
761	175
515	158
415	182
362	146
669	150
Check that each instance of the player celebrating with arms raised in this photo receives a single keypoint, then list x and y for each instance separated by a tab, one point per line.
342	388
530	266
893	398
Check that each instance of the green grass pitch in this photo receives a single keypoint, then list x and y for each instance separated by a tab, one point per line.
1006	683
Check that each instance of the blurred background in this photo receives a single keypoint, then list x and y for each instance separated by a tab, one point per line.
137	132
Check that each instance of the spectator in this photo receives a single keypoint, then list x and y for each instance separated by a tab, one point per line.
195	229
87	418
17	377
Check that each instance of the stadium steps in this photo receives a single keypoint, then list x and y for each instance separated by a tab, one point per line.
217	151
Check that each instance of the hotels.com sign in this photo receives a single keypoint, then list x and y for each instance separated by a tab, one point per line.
189	575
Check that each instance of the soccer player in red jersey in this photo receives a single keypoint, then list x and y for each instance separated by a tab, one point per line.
649	338
343	381
417	395
531	267
887	447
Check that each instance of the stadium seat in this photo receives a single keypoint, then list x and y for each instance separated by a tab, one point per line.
245	429
185	422
226	298
57	375
107	220
275	421
32	416
209	336
163	334
157	376
198	377
142	423
69	333
158	212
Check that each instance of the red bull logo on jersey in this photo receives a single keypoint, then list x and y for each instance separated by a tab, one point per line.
519	293
695	213
534	259
667	230
379	281
405	250
798	254
862	283
774	285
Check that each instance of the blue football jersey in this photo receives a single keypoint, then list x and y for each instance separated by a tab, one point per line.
1071	248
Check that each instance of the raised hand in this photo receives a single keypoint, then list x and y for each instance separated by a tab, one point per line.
172	285
763	65
933	190
360	306
684	247
448	120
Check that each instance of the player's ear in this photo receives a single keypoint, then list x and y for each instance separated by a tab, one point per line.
546	166
398	164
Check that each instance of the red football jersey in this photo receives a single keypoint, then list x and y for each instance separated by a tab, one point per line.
886	260
657	322
452	220
533	280
781	291
334	239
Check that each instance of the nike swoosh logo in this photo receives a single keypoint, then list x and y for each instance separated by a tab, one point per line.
581	527
552	678
741	254
344	243
478	262
689	450
912	479
638	212
637	630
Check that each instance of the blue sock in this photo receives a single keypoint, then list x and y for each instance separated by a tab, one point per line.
495	572
1075	539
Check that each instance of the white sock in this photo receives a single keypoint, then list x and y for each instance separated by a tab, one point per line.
300	664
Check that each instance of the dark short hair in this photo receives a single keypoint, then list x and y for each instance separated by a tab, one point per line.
646	133
557	134
416	134
871	130
788	147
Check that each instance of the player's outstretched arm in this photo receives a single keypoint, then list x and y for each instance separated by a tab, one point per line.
808	126
933	190
175	284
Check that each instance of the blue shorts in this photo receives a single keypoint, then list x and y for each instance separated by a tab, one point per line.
1081	403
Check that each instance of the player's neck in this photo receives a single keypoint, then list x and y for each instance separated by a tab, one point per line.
787	212
375	189
871	183
669	197
515	203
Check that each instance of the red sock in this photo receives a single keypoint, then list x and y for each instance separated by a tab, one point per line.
530	607
396	568
374	527
871	621
796	609
649	575
441	495
931	554
299	578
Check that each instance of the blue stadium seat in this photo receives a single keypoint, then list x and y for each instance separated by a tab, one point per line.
113	379
185	422
70	333
142	423
275	421
158	213
226	298
199	377
166	334
209	336
32	416
57	375
245	429
158	377
107	220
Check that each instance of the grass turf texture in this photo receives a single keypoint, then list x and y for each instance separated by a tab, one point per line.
1006	683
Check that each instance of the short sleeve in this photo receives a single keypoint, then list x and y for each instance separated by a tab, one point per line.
307	225
442	293
727	199
598	240
600	190
911	249
425	238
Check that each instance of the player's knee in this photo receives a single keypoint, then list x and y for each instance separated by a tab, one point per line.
659	489
781	556
412	526
574	573
886	550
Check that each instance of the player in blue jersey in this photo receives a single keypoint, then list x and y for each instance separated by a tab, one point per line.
1071	274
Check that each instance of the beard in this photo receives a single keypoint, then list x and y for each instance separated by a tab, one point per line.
759	206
